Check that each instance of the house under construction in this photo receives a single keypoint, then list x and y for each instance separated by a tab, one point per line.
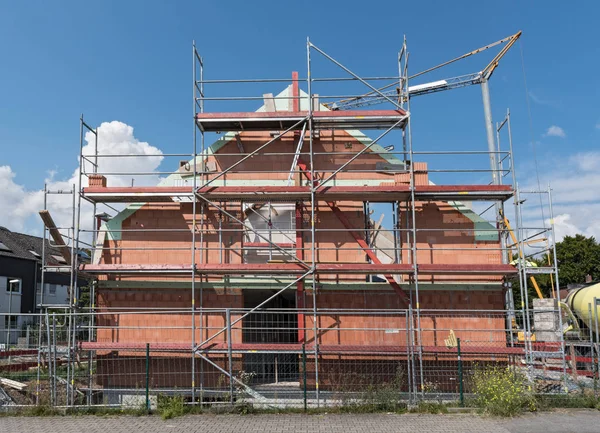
298	253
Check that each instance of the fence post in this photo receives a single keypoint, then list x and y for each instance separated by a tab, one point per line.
596	346
304	373
148	377
592	345
460	374
229	354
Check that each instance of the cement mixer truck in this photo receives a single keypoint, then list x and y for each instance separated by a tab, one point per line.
580	320
583	302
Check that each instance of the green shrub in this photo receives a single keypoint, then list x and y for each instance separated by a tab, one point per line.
502	391
171	406
430	407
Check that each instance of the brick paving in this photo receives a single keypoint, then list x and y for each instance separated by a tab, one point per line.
572	421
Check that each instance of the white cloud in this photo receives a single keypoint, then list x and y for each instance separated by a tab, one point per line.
555	131
15	201
575	184
20	206
564	227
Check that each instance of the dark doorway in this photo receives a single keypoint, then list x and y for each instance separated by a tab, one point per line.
271	325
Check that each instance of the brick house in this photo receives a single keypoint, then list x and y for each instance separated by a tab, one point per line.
139	266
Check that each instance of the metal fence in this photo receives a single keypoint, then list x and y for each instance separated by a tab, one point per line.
275	357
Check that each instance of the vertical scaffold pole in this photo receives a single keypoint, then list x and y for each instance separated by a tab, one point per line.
557	287
148	377
414	235
193	258
42	278
460	373
229	354
312	220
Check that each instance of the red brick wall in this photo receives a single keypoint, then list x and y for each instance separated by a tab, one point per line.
482	323
278	166
149	327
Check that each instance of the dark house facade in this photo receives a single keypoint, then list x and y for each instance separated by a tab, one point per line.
20	280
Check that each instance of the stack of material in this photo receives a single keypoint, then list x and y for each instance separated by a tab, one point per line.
545	320
13	384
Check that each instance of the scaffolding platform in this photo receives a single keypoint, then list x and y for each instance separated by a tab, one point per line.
298	269
221	347
292	120
383	193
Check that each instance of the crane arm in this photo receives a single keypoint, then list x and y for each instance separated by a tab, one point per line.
416	90
489	69
372	98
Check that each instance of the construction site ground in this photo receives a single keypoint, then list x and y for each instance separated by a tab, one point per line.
580	421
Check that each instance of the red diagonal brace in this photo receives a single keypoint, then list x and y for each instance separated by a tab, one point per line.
359	239
363	244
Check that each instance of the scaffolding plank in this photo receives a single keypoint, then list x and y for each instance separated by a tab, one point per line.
136	194
486	269
297	347
463	192
135	268
266	121
376	193
541	270
289	268
266	245
249	268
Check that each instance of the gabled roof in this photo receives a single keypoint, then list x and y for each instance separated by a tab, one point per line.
23	246
282	103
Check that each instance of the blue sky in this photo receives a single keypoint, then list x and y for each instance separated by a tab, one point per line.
130	61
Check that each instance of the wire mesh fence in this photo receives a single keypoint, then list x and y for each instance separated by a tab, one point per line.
280	357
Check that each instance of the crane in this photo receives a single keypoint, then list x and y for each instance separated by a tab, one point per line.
383	93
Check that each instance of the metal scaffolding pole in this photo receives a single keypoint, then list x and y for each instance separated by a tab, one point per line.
412	204
524	289
202	209
193	229
312	220
557	290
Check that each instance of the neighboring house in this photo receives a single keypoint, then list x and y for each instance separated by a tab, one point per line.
20	281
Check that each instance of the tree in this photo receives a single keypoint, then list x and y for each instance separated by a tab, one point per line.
578	256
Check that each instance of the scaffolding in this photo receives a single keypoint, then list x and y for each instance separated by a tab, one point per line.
222	189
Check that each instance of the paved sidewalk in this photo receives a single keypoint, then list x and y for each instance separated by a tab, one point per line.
572	421
564	421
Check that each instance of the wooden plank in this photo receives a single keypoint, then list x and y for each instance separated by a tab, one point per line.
13	384
56	236
98	247
376	228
